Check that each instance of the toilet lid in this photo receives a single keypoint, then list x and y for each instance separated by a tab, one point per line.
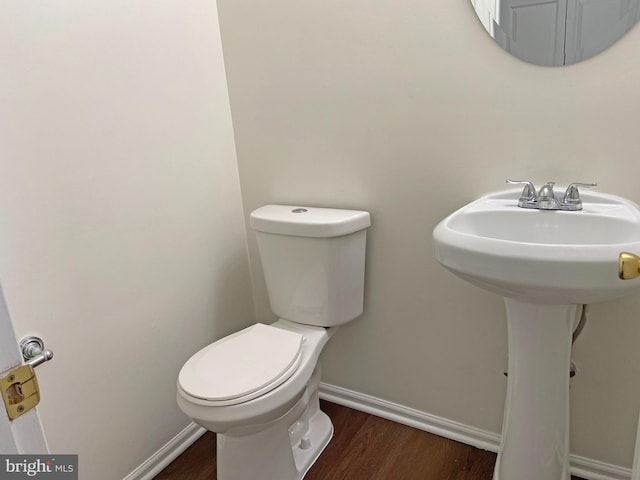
242	366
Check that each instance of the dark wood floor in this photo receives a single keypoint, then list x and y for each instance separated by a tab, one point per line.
364	447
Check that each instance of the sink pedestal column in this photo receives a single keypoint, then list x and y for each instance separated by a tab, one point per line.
535	429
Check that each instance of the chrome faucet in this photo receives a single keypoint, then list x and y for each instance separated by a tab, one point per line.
546	199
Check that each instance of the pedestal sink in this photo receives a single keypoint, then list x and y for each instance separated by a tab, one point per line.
545	264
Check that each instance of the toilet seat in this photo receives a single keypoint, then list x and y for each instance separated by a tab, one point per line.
242	366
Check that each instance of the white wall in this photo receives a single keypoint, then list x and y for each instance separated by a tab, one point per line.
409	110
122	240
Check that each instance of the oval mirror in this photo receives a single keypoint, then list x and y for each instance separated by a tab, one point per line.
556	32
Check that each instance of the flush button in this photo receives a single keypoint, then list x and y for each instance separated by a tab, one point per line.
299	210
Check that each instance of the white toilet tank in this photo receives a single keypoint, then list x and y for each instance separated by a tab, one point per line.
313	262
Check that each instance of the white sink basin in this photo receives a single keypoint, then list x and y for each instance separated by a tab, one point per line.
544	263
541	256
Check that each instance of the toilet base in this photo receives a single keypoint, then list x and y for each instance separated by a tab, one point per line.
318	437
285	449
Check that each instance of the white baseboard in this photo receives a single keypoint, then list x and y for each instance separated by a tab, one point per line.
411	417
167	454
580	466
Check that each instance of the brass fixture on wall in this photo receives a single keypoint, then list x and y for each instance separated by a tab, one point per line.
628	266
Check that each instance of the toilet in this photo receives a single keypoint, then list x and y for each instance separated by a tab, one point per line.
258	388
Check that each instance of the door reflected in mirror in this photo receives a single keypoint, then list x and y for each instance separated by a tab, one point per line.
556	32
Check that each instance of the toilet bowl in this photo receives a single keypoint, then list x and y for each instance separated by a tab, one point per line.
286	417
258	388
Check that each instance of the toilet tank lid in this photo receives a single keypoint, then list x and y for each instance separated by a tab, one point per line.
308	221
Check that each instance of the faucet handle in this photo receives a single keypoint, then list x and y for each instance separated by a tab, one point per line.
528	194
572	195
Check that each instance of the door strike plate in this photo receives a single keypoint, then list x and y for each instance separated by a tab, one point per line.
20	392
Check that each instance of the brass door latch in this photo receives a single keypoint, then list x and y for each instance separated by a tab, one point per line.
20	392
19	386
